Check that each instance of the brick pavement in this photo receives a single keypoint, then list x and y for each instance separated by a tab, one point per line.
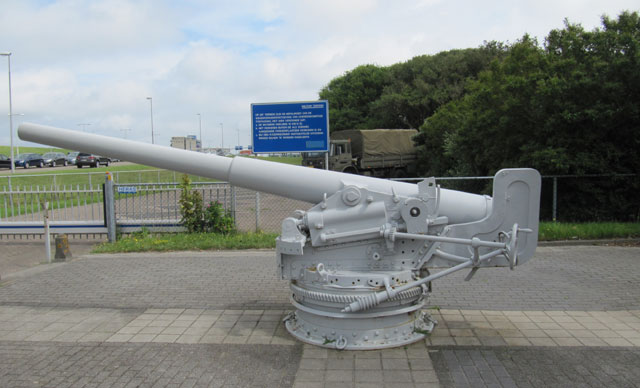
558	278
18	254
536	367
181	320
455	327
47	364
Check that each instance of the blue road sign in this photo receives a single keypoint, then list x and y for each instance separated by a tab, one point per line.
290	127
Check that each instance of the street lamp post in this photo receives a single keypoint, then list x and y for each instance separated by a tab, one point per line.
222	132
151	105
13	167
200	124
18	140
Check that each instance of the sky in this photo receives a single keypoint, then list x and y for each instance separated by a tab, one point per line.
95	63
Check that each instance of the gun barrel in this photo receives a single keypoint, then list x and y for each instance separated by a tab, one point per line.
296	182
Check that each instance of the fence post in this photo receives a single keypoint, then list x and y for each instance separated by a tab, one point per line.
233	206
257	211
47	235
110	210
10	197
555	198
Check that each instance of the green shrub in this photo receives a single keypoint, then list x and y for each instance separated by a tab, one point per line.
217	220
190	207
196	219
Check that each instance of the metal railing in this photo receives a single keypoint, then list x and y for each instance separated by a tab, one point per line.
156	205
26	203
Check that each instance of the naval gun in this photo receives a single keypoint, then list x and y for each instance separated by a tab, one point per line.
361	261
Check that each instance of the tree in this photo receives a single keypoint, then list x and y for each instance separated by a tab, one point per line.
569	107
350	96
405	94
423	84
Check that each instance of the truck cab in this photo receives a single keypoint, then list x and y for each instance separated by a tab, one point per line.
340	157
383	153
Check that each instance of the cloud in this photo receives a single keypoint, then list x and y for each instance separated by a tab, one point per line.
82	61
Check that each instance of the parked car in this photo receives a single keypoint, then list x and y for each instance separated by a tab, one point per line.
91	160
53	159
29	160
5	161
71	157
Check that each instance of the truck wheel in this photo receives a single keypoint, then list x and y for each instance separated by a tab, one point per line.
79	166
351	170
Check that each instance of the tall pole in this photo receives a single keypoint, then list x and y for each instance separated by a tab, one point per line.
13	166
18	140
151	105
222	132
200	124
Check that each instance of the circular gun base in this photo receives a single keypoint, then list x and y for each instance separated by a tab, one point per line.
359	333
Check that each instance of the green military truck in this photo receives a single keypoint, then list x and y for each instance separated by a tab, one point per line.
384	153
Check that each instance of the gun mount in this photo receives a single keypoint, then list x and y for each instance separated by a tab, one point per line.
359	260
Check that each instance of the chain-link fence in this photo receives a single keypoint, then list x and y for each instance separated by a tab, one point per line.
139	204
158	204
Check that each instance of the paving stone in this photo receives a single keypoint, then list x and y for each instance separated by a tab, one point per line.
42	364
524	367
114	301
550	281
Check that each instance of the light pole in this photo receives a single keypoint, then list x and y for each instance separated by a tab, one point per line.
8	55
18	140
222	132
200	124
84	126
151	105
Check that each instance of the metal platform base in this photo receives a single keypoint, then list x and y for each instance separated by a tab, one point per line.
360	333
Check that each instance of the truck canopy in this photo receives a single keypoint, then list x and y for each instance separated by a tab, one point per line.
378	142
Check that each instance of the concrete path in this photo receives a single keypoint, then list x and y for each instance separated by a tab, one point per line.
569	317
20	254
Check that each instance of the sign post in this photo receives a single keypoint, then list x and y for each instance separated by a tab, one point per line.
290	127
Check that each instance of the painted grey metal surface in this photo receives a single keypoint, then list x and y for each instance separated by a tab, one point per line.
359	260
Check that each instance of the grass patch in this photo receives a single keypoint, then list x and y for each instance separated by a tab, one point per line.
31	150
295	160
148	242
555	231
164	242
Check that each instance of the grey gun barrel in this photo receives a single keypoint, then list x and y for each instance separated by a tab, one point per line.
296	182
